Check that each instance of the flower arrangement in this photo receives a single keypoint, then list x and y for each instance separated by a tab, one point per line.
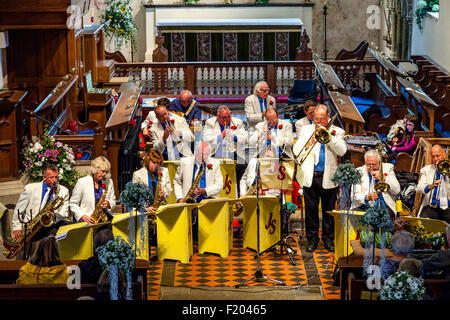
117	255
422	8
136	195
377	218
426	240
45	149
402	286
119	22
346	175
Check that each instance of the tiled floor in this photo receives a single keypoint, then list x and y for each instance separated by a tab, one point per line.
214	271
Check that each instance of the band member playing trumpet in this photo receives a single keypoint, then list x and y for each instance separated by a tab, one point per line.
90	190
434	184
170	134
227	138
365	194
274	134
318	163
34	198
151	174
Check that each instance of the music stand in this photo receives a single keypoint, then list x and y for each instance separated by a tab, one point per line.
259	276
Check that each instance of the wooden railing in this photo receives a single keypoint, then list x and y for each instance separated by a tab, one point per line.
233	78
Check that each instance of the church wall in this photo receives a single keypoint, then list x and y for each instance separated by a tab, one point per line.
434	40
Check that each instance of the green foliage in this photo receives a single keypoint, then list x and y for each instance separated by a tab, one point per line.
119	22
346	175
422	8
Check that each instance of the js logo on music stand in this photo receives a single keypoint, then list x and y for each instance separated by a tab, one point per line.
227	184
271	224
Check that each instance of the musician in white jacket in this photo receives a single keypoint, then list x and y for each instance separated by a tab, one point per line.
273	133
170	134
34	198
227	138
211	182
429	181
89	189
152	173
364	194
308	107
318	169
257	103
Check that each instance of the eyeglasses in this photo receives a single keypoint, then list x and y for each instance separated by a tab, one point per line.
264	90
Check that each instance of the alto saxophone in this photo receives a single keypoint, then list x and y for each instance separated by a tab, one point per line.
43	219
158	201
251	192
190	197
98	214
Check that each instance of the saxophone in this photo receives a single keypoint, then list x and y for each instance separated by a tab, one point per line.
43	219
190	197
158	201
250	192
98	214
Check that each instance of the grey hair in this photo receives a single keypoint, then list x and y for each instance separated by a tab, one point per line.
270	108
258	86
402	242
412	265
322	106
371	153
100	163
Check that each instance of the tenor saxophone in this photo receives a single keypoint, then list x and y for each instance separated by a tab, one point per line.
98	214
43	219
251	192
190	197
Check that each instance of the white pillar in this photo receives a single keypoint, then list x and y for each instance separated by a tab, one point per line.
150	33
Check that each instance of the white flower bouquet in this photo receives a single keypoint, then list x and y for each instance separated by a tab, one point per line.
402	286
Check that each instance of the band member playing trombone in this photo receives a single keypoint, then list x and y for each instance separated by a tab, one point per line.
170	134
318	161
153	175
90	191
372	191
434	184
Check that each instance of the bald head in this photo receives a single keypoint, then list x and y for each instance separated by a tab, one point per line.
321	115
437	154
271	116
185	98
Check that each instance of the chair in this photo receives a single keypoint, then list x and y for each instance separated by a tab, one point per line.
302	91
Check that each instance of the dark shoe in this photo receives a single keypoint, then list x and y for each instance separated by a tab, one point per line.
329	245
312	245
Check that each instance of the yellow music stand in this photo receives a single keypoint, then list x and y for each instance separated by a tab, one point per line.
269	222
340	231
228	170
76	241
172	167
174	231
120	223
215	226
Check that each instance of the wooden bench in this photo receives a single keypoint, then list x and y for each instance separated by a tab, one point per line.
57	291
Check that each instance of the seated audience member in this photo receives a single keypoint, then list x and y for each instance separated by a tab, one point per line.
91	269
409	142
402	243
397	130
45	266
104	285
412	265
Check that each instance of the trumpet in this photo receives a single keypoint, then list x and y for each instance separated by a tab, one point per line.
443	168
322	135
381	186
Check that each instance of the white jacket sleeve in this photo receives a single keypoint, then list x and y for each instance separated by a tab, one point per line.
75	200
178	183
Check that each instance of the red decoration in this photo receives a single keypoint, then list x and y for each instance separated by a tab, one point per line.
233	127
280	126
210	166
172	121
149	124
103	186
79	155
385	174
140	100
132	123
159	173
271	102
333	133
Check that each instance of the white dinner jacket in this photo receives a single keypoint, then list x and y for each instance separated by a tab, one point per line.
301	123
30	199
151	116
182	142
283	138
141	176
361	190
212	132
336	147
253	109
426	177
82	201
183	178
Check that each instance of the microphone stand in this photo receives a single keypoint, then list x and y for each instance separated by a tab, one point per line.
259	276
25	222
33	114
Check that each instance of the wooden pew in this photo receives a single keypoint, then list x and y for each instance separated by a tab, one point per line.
358	53
57	291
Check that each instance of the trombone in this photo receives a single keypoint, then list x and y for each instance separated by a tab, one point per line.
322	136
443	167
